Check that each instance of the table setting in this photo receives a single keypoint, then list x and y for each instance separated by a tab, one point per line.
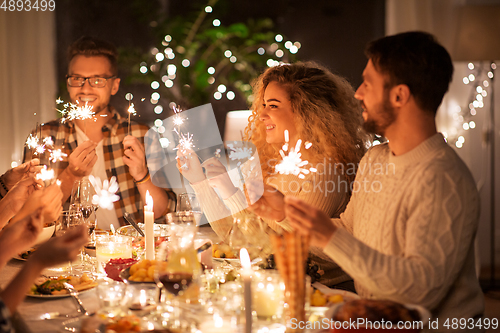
177	277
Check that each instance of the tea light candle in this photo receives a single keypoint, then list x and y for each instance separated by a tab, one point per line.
246	274
268	294
149	228
218	325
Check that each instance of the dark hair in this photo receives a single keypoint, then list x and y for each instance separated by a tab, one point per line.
93	47
417	60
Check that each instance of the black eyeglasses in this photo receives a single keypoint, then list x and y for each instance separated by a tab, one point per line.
96	82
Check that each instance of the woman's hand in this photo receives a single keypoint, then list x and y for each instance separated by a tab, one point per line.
14	175
135	157
48	198
270	205
217	176
189	165
19	193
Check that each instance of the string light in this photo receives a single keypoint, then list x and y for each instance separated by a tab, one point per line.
479	92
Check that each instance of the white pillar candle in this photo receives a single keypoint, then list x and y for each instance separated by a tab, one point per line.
149	219
246	274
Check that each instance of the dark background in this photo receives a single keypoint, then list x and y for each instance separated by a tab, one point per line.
332	32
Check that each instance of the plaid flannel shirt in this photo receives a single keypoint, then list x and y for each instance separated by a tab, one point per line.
64	138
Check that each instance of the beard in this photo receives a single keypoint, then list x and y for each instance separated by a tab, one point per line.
384	116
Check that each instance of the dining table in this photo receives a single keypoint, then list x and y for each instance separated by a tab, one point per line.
30	313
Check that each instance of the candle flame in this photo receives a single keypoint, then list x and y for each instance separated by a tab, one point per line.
149	202
245	259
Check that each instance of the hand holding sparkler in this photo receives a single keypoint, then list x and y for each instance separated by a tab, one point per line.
217	176
189	165
48	198
135	157
16	197
82	159
14	175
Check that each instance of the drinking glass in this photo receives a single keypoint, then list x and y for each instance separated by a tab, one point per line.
179	279
189	204
66	221
81	200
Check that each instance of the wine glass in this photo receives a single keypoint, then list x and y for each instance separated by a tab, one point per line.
67	220
188	204
179	278
81	200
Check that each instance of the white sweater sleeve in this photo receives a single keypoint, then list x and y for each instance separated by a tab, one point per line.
442	214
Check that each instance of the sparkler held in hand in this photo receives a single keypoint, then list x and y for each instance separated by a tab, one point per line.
131	111
292	162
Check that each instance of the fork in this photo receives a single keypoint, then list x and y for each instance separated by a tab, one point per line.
74	294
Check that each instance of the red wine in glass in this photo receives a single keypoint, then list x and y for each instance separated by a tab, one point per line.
176	282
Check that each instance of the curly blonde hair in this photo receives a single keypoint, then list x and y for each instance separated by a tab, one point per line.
325	113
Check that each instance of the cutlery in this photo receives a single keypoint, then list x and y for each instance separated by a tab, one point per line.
132	222
74	295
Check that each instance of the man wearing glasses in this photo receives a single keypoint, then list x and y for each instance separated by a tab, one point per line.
101	146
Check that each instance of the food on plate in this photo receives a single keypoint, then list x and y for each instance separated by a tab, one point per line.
27	253
114	267
55	286
222	250
375	310
320	299
144	270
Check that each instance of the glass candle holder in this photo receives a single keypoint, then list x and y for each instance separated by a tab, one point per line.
110	247
110	294
268	294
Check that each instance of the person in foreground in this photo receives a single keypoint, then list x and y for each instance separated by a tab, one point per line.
21	235
313	105
407	235
104	146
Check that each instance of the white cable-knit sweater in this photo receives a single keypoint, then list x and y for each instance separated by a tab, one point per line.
408	231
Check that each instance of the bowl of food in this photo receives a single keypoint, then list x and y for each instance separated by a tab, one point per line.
46	233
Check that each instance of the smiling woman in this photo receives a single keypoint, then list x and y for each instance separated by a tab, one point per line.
313	105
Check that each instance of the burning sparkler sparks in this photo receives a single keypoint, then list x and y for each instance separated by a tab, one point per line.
32	141
238	153
45	174
105	192
292	162
57	155
131	111
74	111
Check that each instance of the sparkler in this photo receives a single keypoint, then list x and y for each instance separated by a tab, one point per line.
131	111
32	141
57	155
45	174
105	192
74	111
292	162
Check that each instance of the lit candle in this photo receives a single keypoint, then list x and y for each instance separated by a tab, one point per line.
149	227
246	274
